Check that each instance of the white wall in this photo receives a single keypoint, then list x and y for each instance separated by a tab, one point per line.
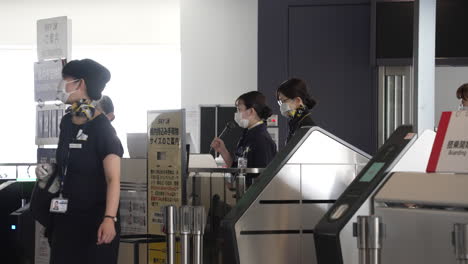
100	22
219	50
219	53
137	40
447	81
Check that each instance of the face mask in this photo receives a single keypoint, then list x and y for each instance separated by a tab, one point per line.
286	110
242	122
62	93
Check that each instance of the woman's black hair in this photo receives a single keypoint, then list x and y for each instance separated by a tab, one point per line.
462	92
295	87
257	101
94	74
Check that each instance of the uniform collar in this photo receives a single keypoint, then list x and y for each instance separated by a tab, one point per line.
256	124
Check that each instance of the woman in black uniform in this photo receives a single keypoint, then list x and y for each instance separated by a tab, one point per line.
462	95
256	144
86	230
295	104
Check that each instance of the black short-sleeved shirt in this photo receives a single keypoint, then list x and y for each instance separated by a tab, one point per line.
84	183
261	148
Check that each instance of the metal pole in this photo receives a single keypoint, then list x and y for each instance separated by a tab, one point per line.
460	242
170	227
198	231
240	186
136	253
185	227
369	233
362	239
375	239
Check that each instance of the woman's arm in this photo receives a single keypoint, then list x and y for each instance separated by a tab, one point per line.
106	232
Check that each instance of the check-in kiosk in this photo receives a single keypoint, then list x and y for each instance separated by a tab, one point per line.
274	220
334	240
425	218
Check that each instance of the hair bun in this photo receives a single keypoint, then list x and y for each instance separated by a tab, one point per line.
266	112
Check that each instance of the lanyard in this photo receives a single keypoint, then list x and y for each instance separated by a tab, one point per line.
66	162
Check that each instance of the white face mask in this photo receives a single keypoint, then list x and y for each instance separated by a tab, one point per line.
461	107
242	122
62	93
285	109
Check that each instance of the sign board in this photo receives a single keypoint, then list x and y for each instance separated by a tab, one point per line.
166	164
450	149
133	217
42	250
48	118
54	38
47	76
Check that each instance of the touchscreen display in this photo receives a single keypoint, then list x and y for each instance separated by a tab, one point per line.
372	172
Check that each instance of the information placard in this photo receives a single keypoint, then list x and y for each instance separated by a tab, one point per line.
48	118
41	249
166	164
450	149
47	76
54	38
133	215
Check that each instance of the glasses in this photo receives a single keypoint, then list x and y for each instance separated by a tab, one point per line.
280	102
63	84
72	81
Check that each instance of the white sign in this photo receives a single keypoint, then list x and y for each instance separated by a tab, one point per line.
450	149
54	38
166	164
47	76
48	118
133	214
42	250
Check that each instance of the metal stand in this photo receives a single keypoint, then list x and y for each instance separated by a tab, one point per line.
136	240
369	233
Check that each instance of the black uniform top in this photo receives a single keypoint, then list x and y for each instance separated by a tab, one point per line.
84	183
301	118
257	146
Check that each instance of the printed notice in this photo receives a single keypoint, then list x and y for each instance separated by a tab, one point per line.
165	166
54	38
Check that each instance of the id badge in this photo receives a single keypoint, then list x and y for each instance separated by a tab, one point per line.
75	146
59	205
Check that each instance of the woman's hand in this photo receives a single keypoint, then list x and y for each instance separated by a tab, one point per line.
106	232
218	145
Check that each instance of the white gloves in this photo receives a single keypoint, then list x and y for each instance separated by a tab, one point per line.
43	174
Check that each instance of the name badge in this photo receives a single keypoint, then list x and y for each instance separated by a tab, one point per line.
59	205
75	145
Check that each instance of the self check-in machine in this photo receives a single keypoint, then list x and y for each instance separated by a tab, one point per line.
334	241
425	218
274	221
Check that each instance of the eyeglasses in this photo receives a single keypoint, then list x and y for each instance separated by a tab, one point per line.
280	102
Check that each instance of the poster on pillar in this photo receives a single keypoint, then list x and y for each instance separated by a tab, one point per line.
450	149
166	164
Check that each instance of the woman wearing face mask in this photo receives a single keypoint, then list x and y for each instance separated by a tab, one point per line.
295	104
462	95
256	143
85	228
